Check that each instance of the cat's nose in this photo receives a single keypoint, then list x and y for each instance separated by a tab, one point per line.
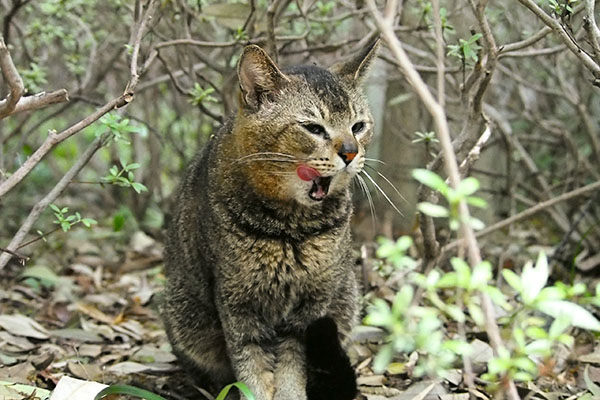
348	151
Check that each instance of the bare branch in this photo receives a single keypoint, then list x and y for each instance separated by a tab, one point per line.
55	138
529	212
37	210
13	79
566	38
539	35
592	28
38	100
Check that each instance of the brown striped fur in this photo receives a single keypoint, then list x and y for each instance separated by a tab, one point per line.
251	259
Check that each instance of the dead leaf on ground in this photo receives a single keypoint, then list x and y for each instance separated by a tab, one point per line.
21	325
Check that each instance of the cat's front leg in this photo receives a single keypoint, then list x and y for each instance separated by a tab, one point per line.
250	355
290	370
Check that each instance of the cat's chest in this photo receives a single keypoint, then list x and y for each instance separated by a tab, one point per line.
278	276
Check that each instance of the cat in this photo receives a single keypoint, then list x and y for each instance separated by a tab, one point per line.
259	246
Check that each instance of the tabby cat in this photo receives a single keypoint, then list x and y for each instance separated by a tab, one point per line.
259	247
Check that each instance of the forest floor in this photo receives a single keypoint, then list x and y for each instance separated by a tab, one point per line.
88	310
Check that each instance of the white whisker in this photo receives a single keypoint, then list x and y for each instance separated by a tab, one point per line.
389	183
382	192
375	160
365	188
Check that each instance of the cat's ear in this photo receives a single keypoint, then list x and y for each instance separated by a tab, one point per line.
258	75
357	68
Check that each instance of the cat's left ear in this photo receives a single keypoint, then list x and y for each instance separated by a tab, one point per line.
258	75
357	68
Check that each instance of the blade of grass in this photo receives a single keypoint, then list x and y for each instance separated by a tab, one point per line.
242	388
130	390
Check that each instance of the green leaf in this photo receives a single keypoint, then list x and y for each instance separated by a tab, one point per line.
467	187
477	314
241	387
455	313
138	187
65	226
559	326
513	280
476	202
130	390
379	313
433	210
383	358
88	222
55	208
579	316
536	278
463	271
540	347
535	332
476	223
430	179
402	300
482	273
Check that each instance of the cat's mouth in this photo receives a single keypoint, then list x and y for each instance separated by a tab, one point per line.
319	188
320	184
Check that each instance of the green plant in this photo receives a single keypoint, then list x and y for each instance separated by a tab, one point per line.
66	222
117	126
124	177
464	191
34	78
466	50
538	321
199	95
562	7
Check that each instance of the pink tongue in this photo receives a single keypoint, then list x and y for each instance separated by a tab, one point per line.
307	173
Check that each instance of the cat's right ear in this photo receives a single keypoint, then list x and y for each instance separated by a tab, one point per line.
258	76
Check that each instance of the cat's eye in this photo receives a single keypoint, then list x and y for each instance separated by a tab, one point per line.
358	127
315	129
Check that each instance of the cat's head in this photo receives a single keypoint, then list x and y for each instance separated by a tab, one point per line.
301	132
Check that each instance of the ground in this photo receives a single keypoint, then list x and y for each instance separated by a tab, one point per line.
86	309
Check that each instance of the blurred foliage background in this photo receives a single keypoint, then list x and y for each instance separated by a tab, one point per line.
540	106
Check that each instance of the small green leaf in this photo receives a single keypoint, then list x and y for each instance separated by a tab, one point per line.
513	280
433	210
536	278
55	208
138	187
477	314
430	179
65	226
579	316
383	358
476	202
467	187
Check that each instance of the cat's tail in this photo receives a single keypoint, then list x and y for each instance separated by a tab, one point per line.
330	375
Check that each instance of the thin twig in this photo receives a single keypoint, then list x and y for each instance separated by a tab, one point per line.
121	101
36	101
529	212
13	79
37	210
566	38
